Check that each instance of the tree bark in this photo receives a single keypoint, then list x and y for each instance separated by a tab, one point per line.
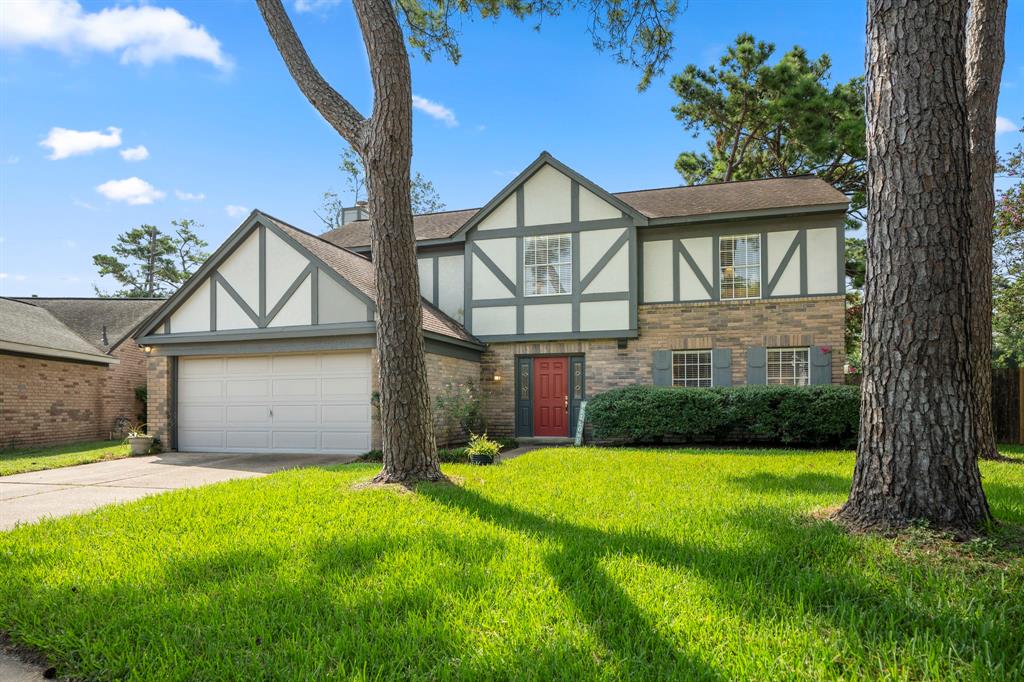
917	450
384	141
986	27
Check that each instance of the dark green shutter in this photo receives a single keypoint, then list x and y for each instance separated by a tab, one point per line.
662	367
821	365
757	372
721	363
524	396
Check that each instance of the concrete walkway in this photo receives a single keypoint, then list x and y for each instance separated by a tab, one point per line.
28	497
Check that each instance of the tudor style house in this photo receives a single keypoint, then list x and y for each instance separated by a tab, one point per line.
554	290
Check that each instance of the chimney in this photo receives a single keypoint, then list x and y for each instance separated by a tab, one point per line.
357	212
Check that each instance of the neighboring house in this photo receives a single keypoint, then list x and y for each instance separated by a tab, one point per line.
553	291
68	367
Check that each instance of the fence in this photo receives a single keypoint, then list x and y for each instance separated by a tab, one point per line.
1008	404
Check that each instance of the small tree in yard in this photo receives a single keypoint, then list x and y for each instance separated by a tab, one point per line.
637	33
148	263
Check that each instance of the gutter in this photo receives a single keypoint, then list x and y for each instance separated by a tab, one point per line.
29	349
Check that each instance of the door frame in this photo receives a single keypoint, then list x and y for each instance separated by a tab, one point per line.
523	399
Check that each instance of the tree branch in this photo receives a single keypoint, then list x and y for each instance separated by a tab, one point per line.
335	109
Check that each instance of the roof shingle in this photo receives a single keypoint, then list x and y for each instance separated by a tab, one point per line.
29	325
88	317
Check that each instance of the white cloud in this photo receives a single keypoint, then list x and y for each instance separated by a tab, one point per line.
189	196
139	153
143	34
83	204
64	142
435	110
1005	125
16	278
314	5
235	211
134	191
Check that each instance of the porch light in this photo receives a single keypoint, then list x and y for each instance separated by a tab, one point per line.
147	349
497	376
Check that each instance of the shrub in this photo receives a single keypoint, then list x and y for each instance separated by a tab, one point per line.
458	412
782	415
482	445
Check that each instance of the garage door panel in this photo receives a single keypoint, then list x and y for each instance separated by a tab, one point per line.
345	387
200	439
201	390
344	415
247	364
346	440
276	403
247	389
201	415
295	414
296	388
295	364
248	440
247	414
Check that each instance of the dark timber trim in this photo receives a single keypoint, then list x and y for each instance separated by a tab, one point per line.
783	264
492	266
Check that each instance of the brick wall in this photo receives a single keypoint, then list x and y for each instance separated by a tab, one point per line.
47	400
813	321
44	401
159	403
442	371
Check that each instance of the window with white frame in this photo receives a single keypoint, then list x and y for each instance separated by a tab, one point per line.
691	368
788	366
740	261
547	265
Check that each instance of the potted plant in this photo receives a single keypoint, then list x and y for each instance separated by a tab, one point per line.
138	439
482	450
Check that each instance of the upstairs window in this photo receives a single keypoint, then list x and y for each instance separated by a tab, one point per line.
691	368
788	366
740	266
547	265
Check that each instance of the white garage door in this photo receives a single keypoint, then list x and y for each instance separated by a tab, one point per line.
309	402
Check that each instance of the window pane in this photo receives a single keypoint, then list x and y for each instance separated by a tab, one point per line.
547	265
789	366
740	265
691	368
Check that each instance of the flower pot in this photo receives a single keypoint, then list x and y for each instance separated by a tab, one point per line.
481	459
140	444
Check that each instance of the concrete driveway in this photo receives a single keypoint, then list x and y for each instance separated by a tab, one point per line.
28	497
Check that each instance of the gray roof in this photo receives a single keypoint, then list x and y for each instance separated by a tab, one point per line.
664	203
28	328
88	317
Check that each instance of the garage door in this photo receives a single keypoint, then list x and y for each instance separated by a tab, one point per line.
310	402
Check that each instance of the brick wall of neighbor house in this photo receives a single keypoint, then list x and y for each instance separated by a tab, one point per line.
46	400
159	399
817	321
443	370
121	381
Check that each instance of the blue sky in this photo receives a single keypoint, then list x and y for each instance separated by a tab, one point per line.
202	88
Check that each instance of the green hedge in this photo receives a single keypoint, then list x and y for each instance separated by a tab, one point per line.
780	415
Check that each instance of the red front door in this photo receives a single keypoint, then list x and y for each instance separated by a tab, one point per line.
550	396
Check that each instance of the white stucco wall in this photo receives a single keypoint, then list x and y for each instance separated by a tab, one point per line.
823	261
486	284
497	320
451	286
194	314
547	197
547	317
594	208
337	304
229	314
241	268
503	216
604	315
614	276
299	308
657	271
594	244
283	265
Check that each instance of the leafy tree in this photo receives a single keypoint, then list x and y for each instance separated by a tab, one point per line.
1008	267
425	198
150	264
636	33
773	120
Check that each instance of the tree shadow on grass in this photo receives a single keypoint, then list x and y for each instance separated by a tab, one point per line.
804	483
787	569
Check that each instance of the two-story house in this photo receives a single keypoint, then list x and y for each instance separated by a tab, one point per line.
554	290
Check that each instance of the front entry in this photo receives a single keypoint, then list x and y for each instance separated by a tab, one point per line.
551	396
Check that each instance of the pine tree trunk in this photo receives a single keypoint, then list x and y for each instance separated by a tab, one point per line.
384	141
986	26
917	451
409	448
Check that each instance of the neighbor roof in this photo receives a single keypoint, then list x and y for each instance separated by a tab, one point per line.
28	328
668	202
359	271
88	317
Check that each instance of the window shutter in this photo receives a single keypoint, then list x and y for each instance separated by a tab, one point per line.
757	372
821	366
721	359
662	367
524	396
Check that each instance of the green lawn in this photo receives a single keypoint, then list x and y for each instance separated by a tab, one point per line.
561	564
65	455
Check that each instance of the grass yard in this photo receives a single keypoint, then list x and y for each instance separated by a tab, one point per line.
65	455
561	564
